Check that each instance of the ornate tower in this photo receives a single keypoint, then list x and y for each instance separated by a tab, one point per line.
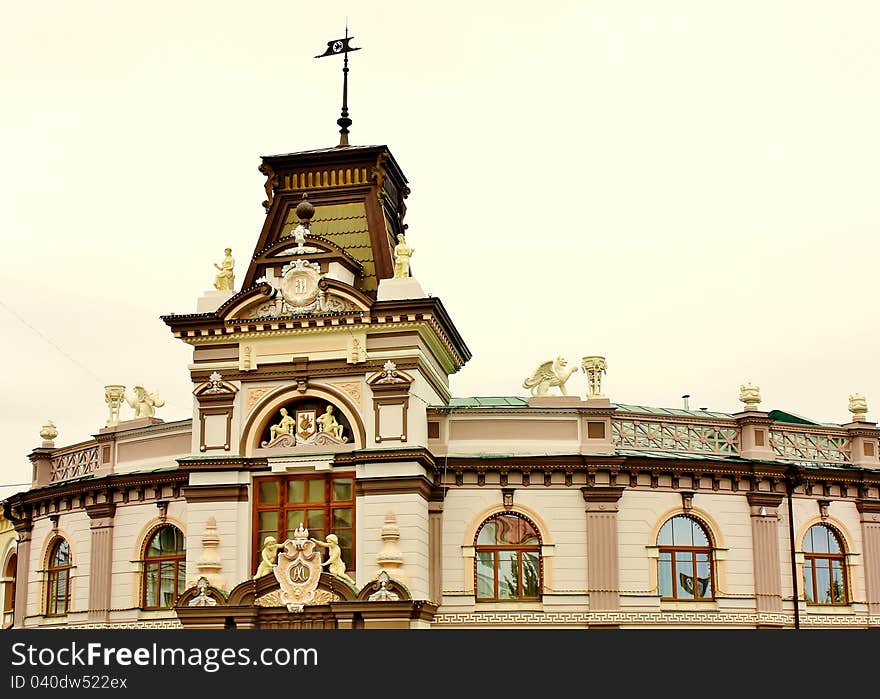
311	382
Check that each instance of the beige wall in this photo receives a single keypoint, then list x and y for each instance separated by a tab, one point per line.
411	511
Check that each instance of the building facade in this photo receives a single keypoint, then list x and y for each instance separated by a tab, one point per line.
328	479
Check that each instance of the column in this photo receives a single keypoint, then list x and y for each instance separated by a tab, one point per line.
101	559
870	516
603	574
765	550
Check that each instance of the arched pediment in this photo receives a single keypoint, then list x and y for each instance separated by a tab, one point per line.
303	414
320	296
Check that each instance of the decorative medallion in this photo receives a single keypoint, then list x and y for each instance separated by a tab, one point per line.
299	283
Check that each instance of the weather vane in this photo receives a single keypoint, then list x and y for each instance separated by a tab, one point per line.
334	48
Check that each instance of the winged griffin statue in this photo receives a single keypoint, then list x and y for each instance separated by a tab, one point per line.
549	374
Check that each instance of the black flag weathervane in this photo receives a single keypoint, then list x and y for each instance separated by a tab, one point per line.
334	48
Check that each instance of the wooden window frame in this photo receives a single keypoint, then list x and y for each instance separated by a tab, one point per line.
693	550
54	575
495	549
830	557
148	560
282	507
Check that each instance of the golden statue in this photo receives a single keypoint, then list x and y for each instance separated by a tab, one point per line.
402	253
285	426
268	556
549	374
327	423
144	402
334	561
225	278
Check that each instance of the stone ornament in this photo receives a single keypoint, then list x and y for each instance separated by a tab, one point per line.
48	431
858	406
548	375
268	556
402	254
114	394
334	561
383	594
594	367
750	395
298	570
390	374
284	427
203	599
306	427
390	558
209	563
225	278
144	402
327	423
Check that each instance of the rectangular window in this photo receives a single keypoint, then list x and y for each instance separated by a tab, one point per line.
323	504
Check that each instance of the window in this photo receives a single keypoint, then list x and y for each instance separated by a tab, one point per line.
58	581
323	504
9	590
684	569
824	567
164	568
508	559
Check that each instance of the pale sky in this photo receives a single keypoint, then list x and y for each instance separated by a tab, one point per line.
688	188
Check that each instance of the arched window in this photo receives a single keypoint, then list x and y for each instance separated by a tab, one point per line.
824	567
58	580
164	568
9	590
684	569
508	559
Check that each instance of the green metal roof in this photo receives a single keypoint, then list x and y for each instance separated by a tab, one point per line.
522	402
489	402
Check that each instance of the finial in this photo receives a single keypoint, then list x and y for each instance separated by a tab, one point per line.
304	210
594	366
750	395
858	406
335	47
48	432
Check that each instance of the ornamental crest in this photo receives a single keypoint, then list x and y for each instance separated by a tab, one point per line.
298	570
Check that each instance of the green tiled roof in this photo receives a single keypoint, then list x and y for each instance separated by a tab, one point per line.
346	226
488	402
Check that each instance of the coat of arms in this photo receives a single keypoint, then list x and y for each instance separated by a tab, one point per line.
298	570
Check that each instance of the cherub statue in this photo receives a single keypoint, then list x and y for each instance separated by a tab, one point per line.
225	278
144	402
402	253
285	426
548	374
268	556
327	423
334	561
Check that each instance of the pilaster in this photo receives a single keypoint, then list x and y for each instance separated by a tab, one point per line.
101	559
765	550
603	577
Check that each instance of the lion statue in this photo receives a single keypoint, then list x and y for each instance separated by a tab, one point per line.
548	374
